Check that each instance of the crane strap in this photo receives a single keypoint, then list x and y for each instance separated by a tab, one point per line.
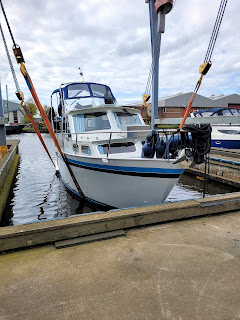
48	124
191	101
20	60
24	106
20	96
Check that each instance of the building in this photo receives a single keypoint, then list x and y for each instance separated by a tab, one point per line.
12	112
175	106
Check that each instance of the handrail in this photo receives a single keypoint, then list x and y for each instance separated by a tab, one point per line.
110	135
132	131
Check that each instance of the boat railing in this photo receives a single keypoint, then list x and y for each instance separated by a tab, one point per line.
75	135
164	131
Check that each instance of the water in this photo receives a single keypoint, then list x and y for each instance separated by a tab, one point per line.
38	193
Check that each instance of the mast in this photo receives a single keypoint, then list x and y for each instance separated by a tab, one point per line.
7	102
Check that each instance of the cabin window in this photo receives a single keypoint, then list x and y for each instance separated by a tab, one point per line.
126	118
86	150
229	131
91	122
117	147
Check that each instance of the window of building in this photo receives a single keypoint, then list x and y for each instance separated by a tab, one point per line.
173	109
15	117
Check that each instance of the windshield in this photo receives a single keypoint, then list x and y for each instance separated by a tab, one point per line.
78	90
86	90
86	95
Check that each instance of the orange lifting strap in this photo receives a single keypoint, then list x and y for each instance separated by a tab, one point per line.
23	105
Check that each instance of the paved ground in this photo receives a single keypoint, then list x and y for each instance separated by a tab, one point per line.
180	270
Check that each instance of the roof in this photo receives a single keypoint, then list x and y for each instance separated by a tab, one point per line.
182	99
10	106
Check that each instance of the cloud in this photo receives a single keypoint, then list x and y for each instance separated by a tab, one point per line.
110	41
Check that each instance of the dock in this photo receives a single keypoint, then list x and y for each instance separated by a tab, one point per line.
154	268
8	167
177	260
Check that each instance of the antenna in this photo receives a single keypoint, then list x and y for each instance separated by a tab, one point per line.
81	73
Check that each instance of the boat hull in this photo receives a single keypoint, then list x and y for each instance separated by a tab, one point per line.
121	183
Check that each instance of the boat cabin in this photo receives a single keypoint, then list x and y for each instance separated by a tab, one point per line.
88	121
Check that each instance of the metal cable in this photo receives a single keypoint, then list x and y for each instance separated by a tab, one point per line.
153	65
215	30
9	60
10	31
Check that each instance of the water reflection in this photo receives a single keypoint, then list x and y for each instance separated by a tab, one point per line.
38	193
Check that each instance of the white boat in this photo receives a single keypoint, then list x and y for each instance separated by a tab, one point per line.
223	135
103	144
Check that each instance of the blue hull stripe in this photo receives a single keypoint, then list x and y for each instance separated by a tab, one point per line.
228	144
132	171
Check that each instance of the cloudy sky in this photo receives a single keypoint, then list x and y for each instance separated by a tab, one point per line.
110	41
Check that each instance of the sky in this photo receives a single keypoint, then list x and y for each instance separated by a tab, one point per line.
110	41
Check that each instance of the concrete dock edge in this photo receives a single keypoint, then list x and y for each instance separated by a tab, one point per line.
8	168
39	233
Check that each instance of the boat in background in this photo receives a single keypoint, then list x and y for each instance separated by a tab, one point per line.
223	135
13	128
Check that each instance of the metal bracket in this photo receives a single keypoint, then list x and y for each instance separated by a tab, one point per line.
161	22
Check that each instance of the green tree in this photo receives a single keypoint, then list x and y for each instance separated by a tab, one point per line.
32	109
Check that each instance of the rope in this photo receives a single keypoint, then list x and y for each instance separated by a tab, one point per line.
201	141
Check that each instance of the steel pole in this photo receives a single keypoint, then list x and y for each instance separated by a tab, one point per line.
3	142
153	27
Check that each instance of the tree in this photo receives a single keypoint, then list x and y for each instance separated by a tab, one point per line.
32	109
46	109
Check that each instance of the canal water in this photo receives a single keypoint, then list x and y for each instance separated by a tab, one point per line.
38	194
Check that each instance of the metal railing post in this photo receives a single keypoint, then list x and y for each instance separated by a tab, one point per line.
109	141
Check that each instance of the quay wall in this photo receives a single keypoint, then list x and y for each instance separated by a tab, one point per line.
222	166
8	168
47	232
